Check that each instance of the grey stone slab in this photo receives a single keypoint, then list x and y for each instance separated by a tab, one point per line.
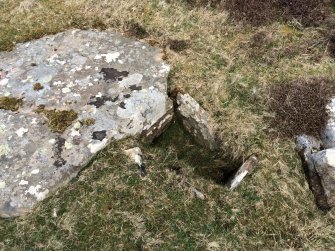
116	83
196	121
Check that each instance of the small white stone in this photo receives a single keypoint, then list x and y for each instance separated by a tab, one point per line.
97	57
54	213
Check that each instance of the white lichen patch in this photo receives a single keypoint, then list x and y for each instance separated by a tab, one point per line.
4	81
2	184
133	79
111	57
52	141
66	90
330	157
165	68
34	121
4	150
68	145
20	132
23	183
35	191
35	171
74	132
2	128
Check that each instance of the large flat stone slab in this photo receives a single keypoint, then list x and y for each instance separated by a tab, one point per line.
79	90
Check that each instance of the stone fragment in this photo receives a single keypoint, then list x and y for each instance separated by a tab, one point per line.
328	133
136	155
196	121
97	87
197	193
307	147
247	167
324	162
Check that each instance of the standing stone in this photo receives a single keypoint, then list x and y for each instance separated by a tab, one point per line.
328	134
196	121
324	162
308	148
63	98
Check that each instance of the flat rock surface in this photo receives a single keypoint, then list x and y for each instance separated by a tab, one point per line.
113	86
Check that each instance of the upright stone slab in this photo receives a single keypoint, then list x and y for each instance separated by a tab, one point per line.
196	121
65	97
328	133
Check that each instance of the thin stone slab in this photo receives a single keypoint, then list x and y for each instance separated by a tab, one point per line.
115	87
328	133
196	121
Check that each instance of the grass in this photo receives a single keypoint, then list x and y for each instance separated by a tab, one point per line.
230	70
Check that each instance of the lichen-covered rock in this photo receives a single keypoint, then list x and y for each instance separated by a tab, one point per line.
324	162
196	121
308	148
77	91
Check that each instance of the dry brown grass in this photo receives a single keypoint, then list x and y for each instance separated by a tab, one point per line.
259	12
229	72
300	106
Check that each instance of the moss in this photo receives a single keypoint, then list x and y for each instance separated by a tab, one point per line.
88	122
12	104
58	121
38	86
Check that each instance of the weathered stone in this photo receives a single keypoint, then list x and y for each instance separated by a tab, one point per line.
196	121
114	87
247	168
328	134
307	147
136	155
324	162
